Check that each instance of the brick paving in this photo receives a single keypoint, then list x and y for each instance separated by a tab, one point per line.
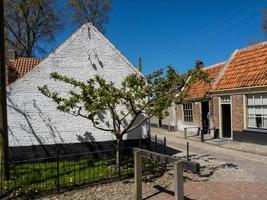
219	191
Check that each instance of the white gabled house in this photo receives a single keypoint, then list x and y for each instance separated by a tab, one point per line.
36	127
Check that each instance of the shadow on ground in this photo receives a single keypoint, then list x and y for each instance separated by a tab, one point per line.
159	147
163	190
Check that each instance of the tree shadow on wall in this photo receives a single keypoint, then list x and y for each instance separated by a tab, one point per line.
87	137
29	128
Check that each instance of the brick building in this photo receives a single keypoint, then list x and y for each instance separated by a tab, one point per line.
234	104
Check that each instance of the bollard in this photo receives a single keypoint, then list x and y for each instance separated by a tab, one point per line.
138	175
185	133
187	151
202	135
178	181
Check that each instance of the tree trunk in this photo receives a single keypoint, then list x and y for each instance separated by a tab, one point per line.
118	151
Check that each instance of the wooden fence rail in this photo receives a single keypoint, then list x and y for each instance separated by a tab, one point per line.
161	158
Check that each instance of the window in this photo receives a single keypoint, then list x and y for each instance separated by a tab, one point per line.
188	112
225	99
257	111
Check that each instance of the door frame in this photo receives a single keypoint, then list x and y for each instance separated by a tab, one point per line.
220	117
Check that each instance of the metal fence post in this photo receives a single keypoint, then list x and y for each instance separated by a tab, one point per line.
178	180
165	151
185	133
164	143
138	175
140	142
156	142
58	186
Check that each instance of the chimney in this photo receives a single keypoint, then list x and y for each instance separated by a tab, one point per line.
11	54
199	65
139	65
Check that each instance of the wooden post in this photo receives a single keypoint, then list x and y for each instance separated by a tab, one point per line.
138	175
4	148
178	180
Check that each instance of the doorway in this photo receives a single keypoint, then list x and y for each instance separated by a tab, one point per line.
205	116
226	120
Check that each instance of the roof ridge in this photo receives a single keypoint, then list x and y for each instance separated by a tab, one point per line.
215	65
222	71
253	45
28	58
114	48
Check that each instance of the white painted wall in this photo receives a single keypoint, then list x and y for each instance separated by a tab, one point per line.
33	118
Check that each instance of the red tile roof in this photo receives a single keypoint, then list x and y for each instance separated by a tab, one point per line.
247	68
24	65
200	88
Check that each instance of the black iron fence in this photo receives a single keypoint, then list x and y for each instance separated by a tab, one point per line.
37	177
55	174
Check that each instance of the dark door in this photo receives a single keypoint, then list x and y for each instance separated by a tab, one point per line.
205	115
226	120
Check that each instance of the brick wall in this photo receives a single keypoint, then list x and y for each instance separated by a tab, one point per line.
197	115
237	113
215	106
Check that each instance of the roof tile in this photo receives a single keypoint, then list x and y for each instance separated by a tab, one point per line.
247	68
200	88
24	65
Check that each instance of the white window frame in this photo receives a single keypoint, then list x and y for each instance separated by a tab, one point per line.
261	106
188	112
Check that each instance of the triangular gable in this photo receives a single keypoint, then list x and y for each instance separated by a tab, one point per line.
33	118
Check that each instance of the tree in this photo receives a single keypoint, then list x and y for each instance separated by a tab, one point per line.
94	11
27	22
120	110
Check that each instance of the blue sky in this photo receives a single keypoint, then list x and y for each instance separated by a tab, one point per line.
178	32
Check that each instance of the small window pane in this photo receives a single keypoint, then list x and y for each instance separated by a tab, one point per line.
251	110
264	99
257	100
258	110
265	122
225	99
259	122
250	121
250	100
